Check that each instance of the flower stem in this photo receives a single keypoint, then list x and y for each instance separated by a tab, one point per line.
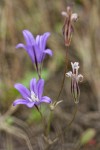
49	123
42	117
66	63
69	124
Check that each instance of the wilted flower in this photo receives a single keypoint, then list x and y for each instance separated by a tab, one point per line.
75	78
32	97
68	27
54	105
36	48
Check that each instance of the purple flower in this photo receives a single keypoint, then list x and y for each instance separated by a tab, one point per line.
75	78
32	97
36	48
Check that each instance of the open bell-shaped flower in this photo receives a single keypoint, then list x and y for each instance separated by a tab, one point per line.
36	48
75	79
33	96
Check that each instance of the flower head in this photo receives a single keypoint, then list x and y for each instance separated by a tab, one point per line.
32	97
36	48
68	27
75	78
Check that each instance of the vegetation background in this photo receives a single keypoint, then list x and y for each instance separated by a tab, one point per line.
40	16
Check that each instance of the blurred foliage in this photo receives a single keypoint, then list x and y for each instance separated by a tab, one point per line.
9	120
35	116
87	136
29	75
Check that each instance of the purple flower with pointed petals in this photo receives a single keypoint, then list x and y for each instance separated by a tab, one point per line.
32	97
36	48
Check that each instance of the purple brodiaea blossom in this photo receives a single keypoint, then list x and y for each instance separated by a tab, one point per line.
32	97
75	78
36	48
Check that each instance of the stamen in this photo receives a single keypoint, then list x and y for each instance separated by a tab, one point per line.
33	97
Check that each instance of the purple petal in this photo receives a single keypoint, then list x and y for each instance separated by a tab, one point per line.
41	40
20	101
38	53
20	45
33	85
29	38
30	104
46	99
38	39
23	90
48	51
44	39
40	86
30	51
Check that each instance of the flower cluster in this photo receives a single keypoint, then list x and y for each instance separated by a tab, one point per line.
36	49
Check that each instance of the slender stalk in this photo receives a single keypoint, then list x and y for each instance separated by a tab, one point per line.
69	124
66	63
43	119
37	69
50	116
49	123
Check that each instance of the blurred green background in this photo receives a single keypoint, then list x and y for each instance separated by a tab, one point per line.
40	16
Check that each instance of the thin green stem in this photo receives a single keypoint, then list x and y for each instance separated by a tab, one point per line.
76	109
43	119
69	124
49	123
66	63
50	116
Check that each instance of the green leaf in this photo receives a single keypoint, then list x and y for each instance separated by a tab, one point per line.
87	136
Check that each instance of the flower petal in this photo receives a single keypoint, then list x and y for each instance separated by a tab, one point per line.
74	17
30	51
29	38
30	104
20	101
64	14
49	52
33	85
23	90
44	39
41	40
38	41
20	45
69	74
80	78
38	53
46	99
40	86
